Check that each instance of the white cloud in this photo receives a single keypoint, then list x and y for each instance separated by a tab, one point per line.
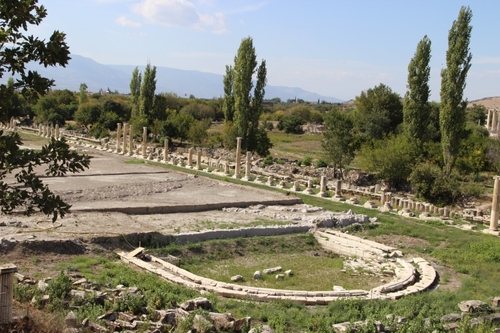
179	13
125	22
486	60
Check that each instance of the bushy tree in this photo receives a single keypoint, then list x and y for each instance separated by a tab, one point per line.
392	159
453	82
339	143
378	112
21	187
291	124
19	49
199	111
197	133
431	184
477	114
88	113
56	107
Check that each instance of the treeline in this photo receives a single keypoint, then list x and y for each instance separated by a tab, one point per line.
437	150
409	142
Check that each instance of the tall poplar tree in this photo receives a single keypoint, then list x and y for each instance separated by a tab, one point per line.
416	107
228	104
148	88
246	107
135	90
453	81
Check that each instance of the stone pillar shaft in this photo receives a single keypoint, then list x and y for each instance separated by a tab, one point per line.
131	140
238	156
118	134
124	146
144	140
198	160
190	157
248	166
488	119
6	292
494	204
165	149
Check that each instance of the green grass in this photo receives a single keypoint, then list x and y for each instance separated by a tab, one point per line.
295	147
135	161
313	268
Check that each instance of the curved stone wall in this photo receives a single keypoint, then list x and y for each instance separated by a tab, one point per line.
408	279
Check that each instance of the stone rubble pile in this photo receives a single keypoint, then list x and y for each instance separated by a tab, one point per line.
147	320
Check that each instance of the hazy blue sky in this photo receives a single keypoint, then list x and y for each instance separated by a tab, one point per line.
335	48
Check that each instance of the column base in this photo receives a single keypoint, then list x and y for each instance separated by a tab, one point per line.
492	232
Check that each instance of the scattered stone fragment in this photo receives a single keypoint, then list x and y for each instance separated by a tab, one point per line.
237	278
473	306
273	270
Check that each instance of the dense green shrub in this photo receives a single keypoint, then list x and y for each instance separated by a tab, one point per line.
321	163
429	183
307	161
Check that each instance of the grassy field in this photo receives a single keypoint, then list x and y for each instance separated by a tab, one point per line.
295	147
312	268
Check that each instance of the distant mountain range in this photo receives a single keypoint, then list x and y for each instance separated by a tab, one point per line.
170	80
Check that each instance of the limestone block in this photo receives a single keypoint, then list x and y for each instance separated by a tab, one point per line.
370	204
273	270
237	278
473	306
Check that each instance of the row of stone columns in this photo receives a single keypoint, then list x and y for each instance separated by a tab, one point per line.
385	197
493	121
49	131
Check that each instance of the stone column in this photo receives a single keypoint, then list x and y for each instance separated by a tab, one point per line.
496	127
130	140
190	157
338	188
238	155
488	120
144	140
56	133
124	146
270	181
165	150
382	198
494	204
309	189
296	186
493	128
7	272
322	187
40	129
248	166
226	168
118	134
198	160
